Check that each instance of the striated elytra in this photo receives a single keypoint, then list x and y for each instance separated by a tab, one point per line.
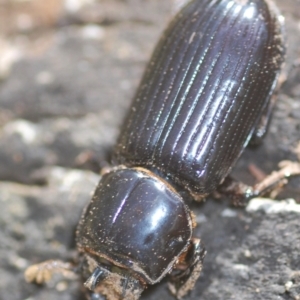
203	93
207	91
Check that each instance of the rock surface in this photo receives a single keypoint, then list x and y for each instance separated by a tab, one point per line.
67	78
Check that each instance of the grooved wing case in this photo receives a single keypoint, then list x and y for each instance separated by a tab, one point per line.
203	92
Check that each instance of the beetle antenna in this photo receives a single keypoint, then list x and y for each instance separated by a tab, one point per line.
95	279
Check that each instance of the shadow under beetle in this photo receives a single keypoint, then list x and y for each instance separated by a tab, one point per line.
207	91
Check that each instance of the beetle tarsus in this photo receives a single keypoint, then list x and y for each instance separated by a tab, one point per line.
186	273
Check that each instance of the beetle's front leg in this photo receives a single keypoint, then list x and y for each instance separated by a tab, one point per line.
187	270
240	193
43	272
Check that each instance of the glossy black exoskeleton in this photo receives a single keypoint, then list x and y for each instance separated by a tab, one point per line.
205	94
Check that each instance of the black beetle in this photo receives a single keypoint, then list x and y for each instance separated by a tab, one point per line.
205	94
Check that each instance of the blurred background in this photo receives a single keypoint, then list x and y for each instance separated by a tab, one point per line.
72	59
68	71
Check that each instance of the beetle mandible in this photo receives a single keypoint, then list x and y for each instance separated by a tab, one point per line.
207	91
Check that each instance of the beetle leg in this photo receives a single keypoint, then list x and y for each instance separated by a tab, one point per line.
187	270
43	272
279	178
264	122
241	193
95	278
265	119
238	192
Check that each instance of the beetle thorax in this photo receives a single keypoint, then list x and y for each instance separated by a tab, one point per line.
136	226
